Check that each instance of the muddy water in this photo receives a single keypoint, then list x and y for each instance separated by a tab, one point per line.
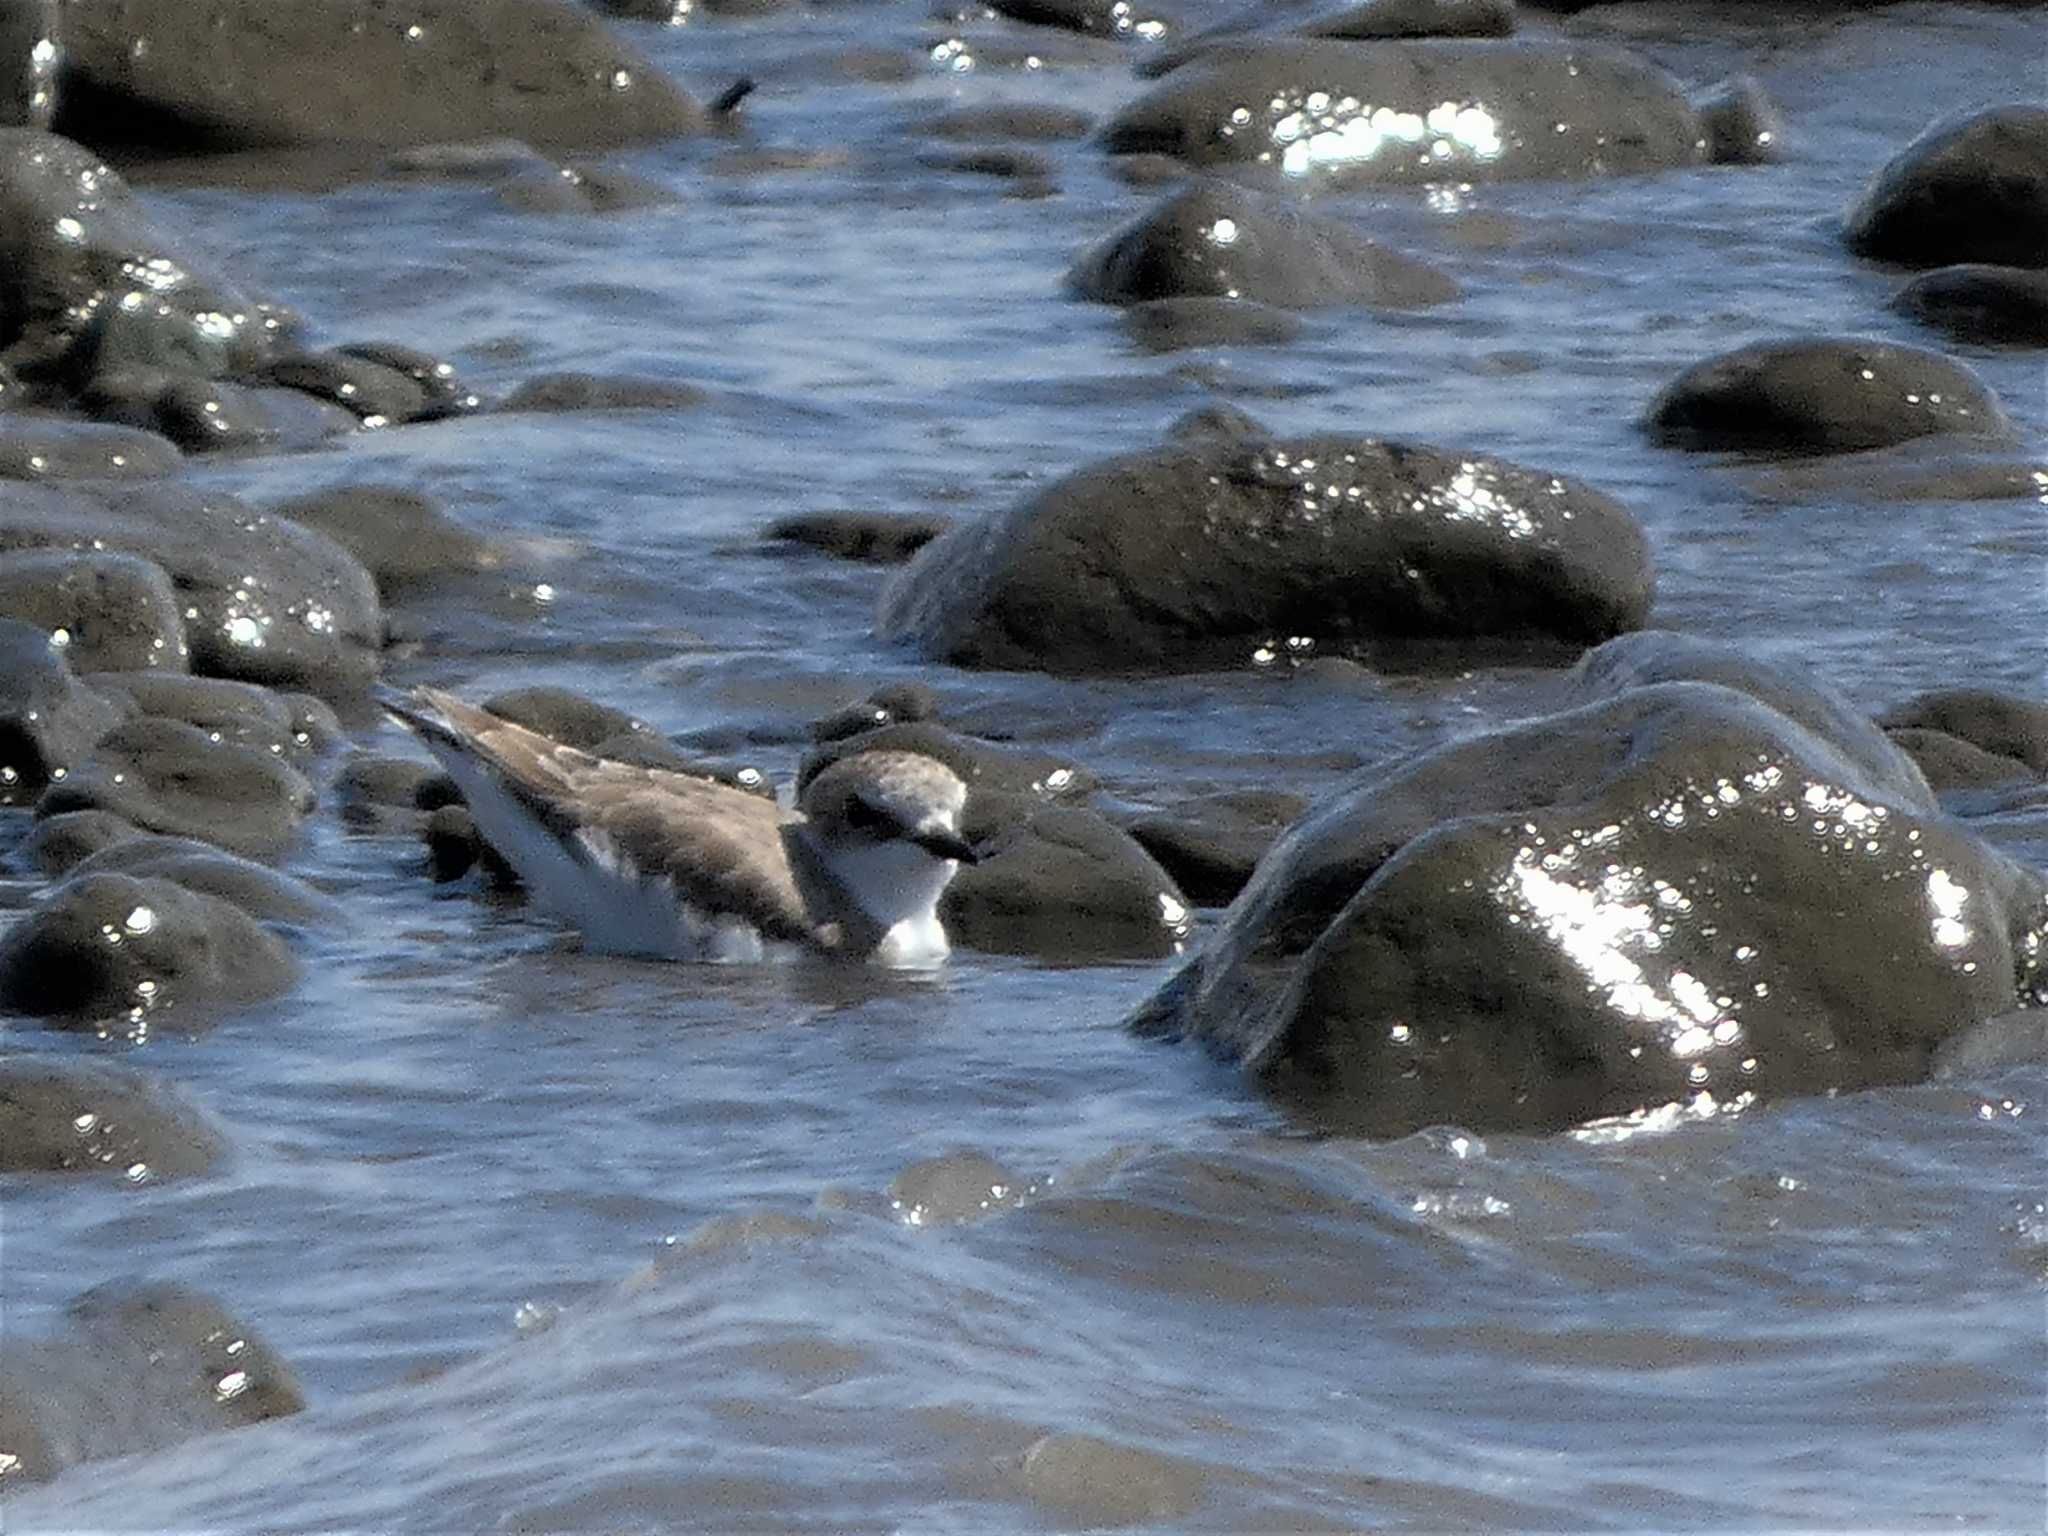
565	1242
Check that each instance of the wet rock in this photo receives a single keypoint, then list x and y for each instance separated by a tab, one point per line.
1743	125
1028	121
1172	325
2011	1039
169	777
137	1367
52	448
444	392
1084	1480
28	45
1358	22
1218	241
117	945
288	726
264	599
373	393
263	893
55	845
1024	165
1058	881
455	846
1953	765
214	416
1973	187
362	71
983	766
1976	302
1217	423
1197	553
1944	468
591	392
882	538
49	721
1125	20
2003	723
1822	394
384	794
405	538
68	1116
583	189
1674	890
469	160
890	704
105	612
1349	112
72	241
1211	846
954	1189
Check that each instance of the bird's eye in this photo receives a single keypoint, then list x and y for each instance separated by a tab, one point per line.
866	816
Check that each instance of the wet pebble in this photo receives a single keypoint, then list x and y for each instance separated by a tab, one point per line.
388	794
443	390
1085	1480
1977	302
891	704
53	448
264	893
49	721
215	416
57	844
953	1189
569	189
106	612
1972	188
2010	725
1172	325
880	538
61	1115
594	392
405	538
375	394
1742	124
295	727
1211	845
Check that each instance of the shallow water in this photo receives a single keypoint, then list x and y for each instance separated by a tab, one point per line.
557	1241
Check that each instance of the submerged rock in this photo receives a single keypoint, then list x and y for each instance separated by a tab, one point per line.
262	892
57	844
105	612
247	74
1973	187
49	721
2005	724
1125	20
291	726
214	416
137	1367
1977	302
1197	553
1743	125
882	538
54	448
1822	394
373	392
405	538
107	945
445	393
1211	846
1001	121
65	1116
1215	240
1401	111
595	392
1170	325
1675	894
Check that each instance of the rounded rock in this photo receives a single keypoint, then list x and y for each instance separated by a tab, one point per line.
1973	187
66	1116
105	612
1977	302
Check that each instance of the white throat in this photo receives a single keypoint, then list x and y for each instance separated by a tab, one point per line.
898	885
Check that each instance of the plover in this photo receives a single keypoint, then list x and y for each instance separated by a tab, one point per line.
646	861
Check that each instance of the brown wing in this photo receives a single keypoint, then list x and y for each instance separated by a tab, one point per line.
721	847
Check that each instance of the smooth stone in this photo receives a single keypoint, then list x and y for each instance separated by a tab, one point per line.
67	1116
1953	765
1029	121
1671	891
2007	724
594	392
1124	20
1005	161
1087	1481
1173	325
1972	187
112	945
28	78
210	74
1942	468
104	611
1822	394
1978	302
890	704
136	1367
405	538
1059	882
445	393
1199	553
984	767
469	160
170	777
373	393
264	893
1214	240
292	726
214	416
455	846
879	538
1210	846
53	448
57	844
264	599
1343	19
387	794
1220	422
49	721
954	1189
1743	125
583	189
2012	1039
72	238
1621	114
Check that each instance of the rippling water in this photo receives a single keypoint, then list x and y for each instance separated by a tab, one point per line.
558	1241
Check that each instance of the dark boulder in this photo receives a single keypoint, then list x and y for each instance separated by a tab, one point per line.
291	726
1973	187
107	946
136	1367
66	1116
391	794
84	268
1401	111
2002	723
268	601
1215	240
881	538
54	448
57	844
29	56
374	393
1742	124
405	538
247	74
1172	325
1196	554
264	893
49	721
1975	302
170	777
214	416
1210	846
1822	394
1124	20
445	393
105	612
890	704
1673	898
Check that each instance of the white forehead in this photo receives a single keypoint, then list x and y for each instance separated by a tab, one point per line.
908	784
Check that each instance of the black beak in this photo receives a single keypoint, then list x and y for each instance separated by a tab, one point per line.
947	845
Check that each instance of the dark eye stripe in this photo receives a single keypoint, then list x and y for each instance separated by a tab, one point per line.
868	817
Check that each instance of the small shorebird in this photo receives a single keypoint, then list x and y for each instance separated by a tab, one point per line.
647	861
